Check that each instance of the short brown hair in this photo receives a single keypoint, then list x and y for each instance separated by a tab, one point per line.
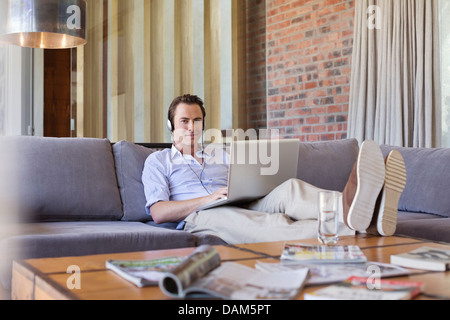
189	100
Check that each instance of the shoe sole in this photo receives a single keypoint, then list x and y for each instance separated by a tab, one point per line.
371	173
395	183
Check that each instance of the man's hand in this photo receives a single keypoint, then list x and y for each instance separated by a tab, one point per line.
177	210
219	194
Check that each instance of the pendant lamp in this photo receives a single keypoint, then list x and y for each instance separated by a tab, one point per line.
45	24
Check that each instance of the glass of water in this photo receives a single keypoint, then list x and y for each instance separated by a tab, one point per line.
328	217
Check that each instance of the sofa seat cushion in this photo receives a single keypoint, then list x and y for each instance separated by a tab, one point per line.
43	240
68	239
434	229
64	179
407	216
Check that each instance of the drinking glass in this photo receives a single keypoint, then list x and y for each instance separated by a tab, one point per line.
328	217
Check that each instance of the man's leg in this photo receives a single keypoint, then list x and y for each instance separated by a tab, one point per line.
237	226
288	213
298	199
295	198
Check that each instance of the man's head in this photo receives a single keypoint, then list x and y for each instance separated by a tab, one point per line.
186	119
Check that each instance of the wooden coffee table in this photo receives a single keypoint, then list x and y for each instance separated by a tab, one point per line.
44	279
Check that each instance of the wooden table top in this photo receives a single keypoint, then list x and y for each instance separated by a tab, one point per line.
43	279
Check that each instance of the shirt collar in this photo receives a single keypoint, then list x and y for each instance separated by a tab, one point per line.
175	153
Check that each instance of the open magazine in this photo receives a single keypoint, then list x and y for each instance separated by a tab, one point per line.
143	273
202	274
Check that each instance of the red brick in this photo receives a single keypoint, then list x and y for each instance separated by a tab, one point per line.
319	129
313	138
308	66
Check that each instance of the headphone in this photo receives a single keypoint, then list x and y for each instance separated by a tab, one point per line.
170	126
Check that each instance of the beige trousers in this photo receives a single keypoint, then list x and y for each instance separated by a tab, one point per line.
287	213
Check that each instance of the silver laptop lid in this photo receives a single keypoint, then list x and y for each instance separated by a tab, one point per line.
259	166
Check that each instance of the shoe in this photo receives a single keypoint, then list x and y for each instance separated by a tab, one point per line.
363	188
384	221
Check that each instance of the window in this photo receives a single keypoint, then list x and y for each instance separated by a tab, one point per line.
445	70
139	56
2	91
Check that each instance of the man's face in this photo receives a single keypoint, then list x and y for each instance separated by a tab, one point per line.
188	123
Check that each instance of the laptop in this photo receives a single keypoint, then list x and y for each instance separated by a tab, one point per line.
257	167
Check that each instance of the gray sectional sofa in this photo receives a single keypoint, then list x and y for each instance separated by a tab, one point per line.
85	196
79	197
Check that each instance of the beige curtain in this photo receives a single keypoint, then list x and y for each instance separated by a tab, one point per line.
395	93
141	54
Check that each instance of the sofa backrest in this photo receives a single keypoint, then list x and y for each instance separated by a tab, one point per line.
428	180
88	179
65	179
327	165
130	159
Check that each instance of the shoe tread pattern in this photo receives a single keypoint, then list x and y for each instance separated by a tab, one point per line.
371	176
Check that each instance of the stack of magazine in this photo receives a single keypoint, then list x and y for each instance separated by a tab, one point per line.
203	274
327	264
347	271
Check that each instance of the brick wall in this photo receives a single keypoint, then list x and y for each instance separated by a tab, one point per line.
256	64
308	64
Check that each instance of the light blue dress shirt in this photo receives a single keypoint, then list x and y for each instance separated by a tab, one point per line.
170	176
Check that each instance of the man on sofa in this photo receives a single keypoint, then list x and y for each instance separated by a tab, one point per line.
180	180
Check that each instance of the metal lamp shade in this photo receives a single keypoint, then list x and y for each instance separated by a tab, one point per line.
46	24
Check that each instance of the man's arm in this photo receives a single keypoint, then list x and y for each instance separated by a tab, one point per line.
169	211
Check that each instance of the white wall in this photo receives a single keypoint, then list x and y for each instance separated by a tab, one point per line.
17	116
17	102
21	114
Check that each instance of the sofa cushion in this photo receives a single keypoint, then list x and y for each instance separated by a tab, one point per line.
60	239
428	181
69	239
65	179
429	229
408	216
130	159
327	165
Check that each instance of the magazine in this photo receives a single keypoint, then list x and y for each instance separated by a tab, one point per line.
425	258
143	272
300	253
357	288
333	273
202	275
